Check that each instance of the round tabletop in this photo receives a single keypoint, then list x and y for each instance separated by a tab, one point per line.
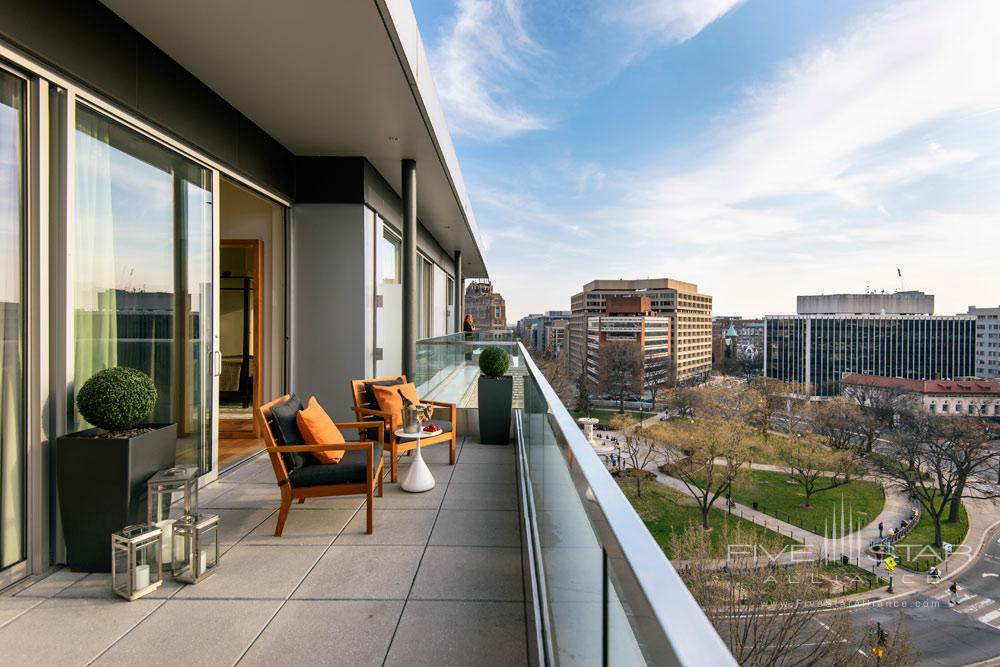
400	433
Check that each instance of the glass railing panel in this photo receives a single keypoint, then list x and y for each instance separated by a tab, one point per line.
606	592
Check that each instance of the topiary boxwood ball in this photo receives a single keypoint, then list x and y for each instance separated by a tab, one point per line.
494	362
116	399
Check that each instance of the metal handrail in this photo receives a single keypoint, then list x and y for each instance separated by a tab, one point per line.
668	622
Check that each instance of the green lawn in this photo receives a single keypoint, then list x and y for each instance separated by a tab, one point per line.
605	414
779	498
667	512
916	551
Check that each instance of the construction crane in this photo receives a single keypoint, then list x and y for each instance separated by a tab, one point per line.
902	287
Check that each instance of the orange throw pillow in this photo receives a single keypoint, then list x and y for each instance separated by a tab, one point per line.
318	429
390	399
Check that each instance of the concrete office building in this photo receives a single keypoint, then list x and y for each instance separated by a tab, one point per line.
487	307
814	348
631	319
987	341
534	329
690	312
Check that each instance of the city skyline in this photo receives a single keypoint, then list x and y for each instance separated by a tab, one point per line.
760	149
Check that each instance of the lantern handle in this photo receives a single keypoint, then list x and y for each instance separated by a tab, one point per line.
176	470
134	529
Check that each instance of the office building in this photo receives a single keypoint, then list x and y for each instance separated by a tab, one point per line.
487	307
534	330
987	341
972	398
815	347
689	310
631	319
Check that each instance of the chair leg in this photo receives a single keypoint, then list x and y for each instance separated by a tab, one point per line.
370	509
451	457
286	505
394	464
381	477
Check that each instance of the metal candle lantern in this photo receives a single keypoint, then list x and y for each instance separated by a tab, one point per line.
195	547
135	561
161	488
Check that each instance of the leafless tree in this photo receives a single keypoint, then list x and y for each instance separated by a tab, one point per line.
583	393
555	368
658	378
638	451
764	614
714	450
815	468
619	364
683	400
881	406
837	419
941	460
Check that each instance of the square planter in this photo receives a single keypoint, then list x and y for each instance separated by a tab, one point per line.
496	396
102	488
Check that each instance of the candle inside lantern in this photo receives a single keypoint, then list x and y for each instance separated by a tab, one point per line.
167	526
202	562
141	577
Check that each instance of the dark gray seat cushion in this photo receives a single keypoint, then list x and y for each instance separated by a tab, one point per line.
353	468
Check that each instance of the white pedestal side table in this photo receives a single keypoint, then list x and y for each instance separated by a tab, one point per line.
418	478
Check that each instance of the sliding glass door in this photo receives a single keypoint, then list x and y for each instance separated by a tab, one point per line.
13	456
143	273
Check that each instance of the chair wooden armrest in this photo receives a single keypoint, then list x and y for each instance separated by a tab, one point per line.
373	413
358	424
440	404
347	446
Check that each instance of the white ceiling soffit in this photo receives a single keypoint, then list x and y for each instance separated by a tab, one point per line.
341	77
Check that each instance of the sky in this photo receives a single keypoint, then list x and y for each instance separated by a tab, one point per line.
759	148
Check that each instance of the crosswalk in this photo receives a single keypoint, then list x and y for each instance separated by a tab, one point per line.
983	609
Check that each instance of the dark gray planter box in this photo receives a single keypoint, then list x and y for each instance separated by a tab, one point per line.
496	396
102	488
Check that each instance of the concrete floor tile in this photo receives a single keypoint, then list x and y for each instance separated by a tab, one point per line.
502	473
340	632
250	571
474	496
69	631
477	528
362	572
393	497
97	585
52	584
12	607
469	573
488	454
245	496
391	526
205	632
313	526
459	633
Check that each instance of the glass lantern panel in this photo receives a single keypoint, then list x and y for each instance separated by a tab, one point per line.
209	544
182	552
121	570
147	555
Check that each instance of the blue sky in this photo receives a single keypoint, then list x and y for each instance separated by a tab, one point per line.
760	149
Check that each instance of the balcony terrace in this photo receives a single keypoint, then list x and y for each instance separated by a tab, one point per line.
527	554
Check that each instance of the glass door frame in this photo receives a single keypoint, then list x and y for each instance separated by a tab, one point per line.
51	100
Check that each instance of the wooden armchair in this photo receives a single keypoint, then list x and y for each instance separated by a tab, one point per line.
358	472
367	409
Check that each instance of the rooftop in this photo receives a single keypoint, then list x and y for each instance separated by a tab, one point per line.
924	386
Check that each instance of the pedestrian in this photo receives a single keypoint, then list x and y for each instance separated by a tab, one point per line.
890	533
468	326
880	530
953	598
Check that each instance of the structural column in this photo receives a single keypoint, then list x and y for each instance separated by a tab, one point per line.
459	313
409	356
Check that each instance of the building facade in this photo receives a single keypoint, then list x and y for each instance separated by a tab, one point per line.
138	151
535	330
987	341
814	351
631	319
745	346
971	398
689	310
487	307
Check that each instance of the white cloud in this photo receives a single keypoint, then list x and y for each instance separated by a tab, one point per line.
669	21
483	49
